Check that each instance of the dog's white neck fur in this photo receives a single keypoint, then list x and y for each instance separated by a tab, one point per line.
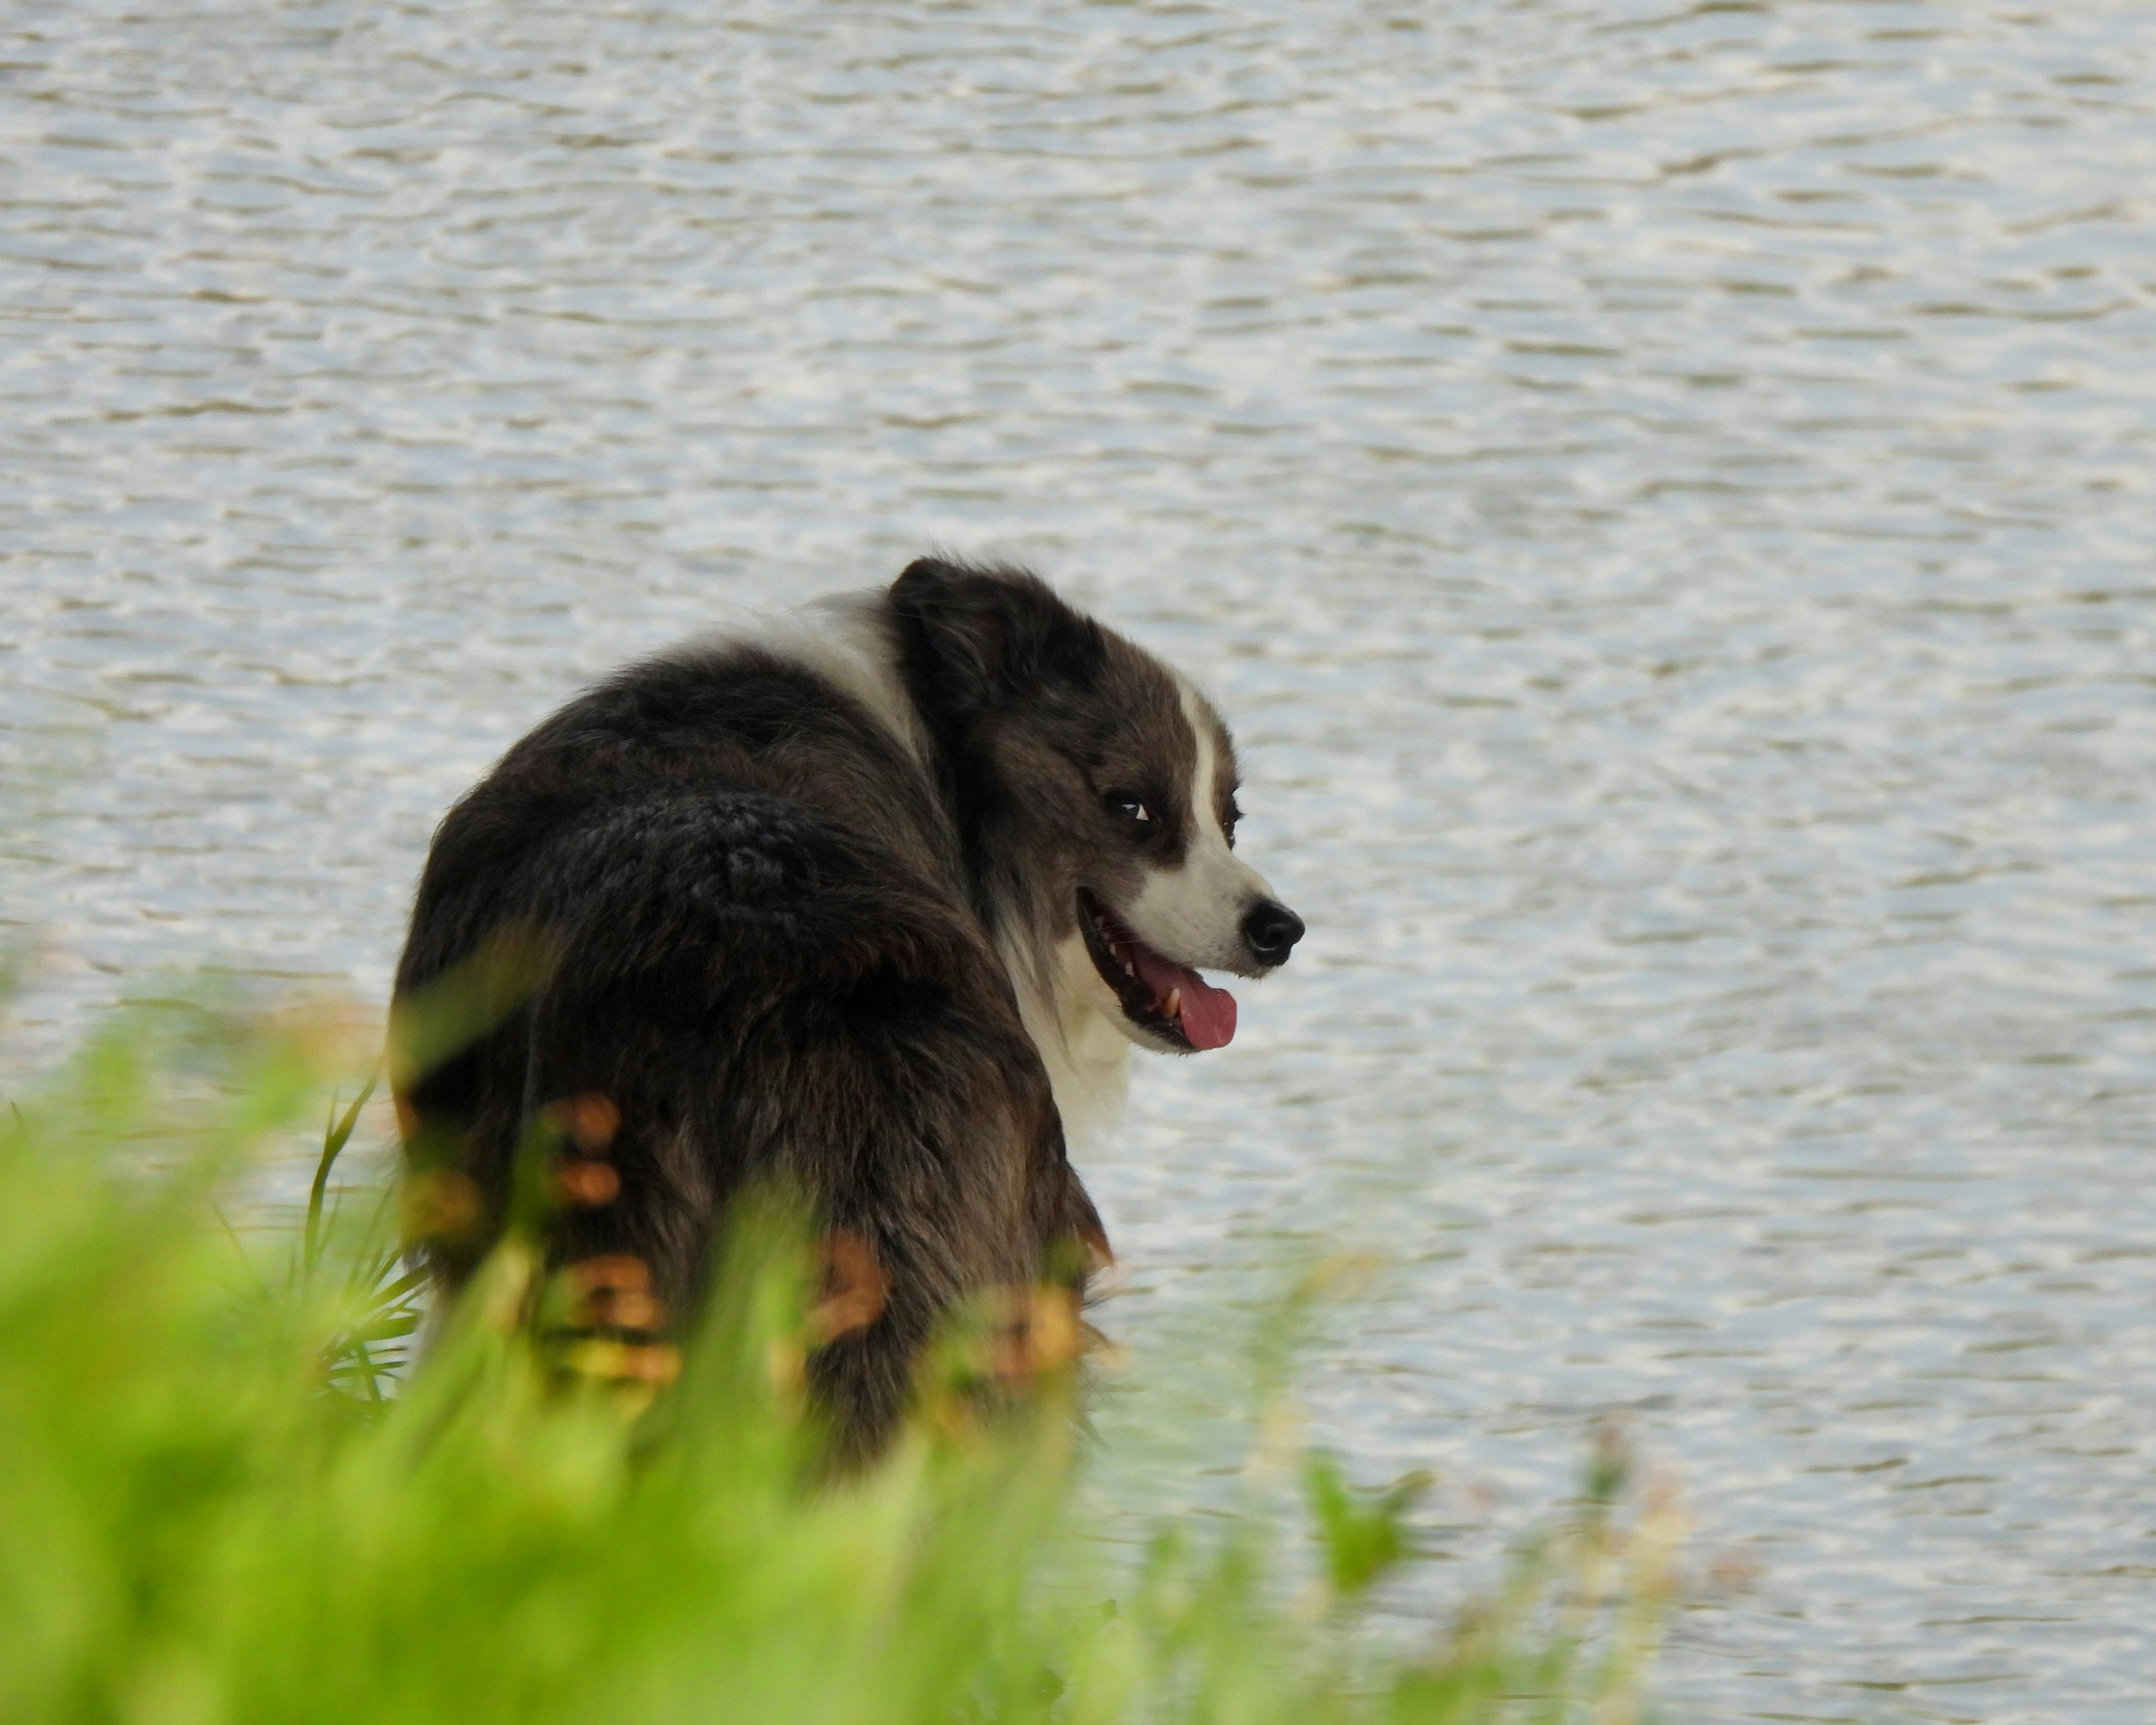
1078	1029
844	637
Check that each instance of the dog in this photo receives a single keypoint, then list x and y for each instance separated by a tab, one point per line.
874	901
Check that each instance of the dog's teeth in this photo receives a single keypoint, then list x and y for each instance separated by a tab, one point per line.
1173	1006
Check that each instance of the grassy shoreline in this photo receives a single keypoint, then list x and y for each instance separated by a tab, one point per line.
220	1501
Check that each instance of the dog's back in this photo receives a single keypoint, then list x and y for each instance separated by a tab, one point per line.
761	962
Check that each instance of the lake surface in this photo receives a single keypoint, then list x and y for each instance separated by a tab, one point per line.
1665	495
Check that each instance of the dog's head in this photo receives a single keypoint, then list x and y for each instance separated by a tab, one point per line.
1094	793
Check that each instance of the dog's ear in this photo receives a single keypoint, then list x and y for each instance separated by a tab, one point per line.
989	635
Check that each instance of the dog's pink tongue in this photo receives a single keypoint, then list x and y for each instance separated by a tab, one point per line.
1209	1014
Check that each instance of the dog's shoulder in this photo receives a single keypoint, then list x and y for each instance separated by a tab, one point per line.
736	767
720	696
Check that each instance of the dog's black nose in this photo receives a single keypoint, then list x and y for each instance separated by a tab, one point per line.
1271	929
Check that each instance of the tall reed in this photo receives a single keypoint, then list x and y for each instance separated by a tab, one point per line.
227	1496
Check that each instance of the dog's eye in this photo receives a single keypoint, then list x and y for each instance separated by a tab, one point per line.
1125	806
1228	821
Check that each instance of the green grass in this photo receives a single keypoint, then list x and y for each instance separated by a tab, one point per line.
221	1499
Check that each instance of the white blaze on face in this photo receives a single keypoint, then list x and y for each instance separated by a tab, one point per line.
1193	913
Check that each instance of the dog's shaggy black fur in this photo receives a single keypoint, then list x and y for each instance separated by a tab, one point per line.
770	926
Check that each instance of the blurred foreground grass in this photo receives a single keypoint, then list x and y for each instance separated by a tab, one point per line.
219	1503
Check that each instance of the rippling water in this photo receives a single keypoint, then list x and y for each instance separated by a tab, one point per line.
1665	494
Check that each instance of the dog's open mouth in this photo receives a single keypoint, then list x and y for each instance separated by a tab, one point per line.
1170	1000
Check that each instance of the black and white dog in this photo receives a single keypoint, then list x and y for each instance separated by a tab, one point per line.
877	901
